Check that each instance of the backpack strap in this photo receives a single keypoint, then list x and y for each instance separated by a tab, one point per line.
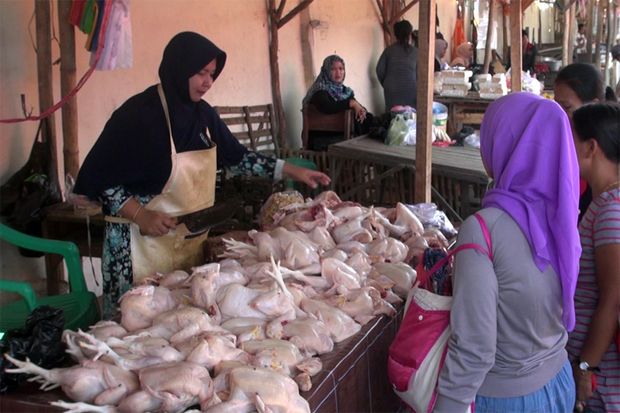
488	251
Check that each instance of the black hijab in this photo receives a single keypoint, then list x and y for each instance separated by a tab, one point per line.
133	149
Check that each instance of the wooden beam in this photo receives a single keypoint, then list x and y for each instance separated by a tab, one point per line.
516	48
42	11
294	12
66	32
403	11
426	62
487	45
525	4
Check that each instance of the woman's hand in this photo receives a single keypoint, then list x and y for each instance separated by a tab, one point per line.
154	223
583	387
360	111
310	177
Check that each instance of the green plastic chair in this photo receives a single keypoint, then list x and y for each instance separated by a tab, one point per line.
79	305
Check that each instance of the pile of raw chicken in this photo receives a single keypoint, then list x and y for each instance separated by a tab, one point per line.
245	333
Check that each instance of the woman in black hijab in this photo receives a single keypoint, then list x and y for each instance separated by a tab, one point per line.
130	167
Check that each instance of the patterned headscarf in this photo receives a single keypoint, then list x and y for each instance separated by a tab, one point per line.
527	145
324	81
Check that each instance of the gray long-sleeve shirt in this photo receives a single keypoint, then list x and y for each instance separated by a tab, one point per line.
396	70
507	333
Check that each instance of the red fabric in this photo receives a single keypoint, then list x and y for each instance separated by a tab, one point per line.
458	37
75	15
583	184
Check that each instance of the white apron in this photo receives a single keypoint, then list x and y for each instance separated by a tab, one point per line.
190	187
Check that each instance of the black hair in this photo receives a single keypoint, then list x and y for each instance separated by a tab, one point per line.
439	35
584	79
580	26
524	33
601	122
610	95
615	52
402	31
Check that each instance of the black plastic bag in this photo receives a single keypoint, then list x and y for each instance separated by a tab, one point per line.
40	341
24	196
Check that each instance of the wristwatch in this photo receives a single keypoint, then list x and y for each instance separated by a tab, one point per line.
584	366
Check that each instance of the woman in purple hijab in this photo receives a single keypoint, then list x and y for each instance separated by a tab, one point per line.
511	314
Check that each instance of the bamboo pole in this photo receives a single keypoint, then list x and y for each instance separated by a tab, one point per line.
516	48
67	83
424	125
487	45
42	10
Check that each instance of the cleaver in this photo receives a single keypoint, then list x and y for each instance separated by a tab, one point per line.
221	213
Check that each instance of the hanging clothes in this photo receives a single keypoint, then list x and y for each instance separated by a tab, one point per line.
118	50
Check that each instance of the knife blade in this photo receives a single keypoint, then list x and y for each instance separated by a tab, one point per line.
204	219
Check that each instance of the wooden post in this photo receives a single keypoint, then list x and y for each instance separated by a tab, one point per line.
600	16
506	34
590	30
426	61
566	36
516	48
275	74
487	45
610	41
42	11
67	83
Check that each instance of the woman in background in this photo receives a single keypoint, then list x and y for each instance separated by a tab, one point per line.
464	54
576	85
397	67
510	314
329	94
591	346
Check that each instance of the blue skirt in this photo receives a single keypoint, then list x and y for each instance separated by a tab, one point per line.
557	396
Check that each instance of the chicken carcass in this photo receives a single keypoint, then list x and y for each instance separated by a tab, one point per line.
340	325
180	324
308	334
257	389
170	387
91	381
400	273
363	304
140	305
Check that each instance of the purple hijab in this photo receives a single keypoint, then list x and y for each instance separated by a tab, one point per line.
526	144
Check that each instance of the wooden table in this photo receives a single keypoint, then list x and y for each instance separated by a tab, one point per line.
458	173
63	222
467	110
353	379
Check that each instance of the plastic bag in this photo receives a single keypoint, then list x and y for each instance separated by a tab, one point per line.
397	131
472	141
431	217
25	195
40	341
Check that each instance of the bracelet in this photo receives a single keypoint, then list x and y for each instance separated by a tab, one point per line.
135	214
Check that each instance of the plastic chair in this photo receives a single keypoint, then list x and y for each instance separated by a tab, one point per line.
79	305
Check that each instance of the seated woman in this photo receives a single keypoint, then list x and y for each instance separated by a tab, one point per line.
464	55
329	94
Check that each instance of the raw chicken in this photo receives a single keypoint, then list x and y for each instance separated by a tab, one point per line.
402	274
140	305
308	334
338	323
92	381
363	304
264	390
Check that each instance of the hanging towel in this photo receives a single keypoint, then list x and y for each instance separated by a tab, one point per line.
77	10
118	50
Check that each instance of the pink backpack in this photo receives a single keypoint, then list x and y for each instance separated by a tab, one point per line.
418	351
